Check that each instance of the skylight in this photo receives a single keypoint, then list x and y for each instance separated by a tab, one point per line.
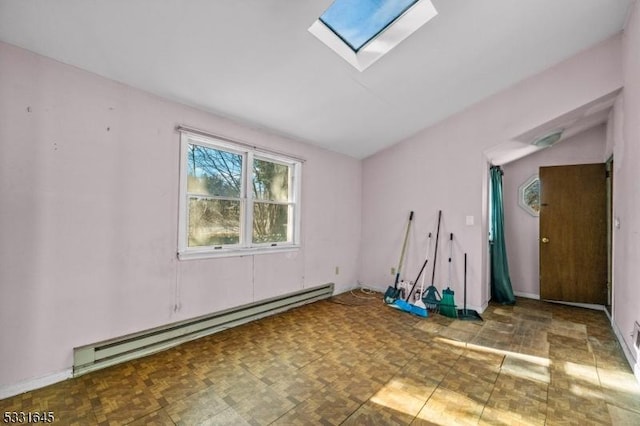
356	22
362	31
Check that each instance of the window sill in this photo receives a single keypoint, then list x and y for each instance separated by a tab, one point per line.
209	254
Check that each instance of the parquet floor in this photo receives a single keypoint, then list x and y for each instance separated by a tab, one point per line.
354	360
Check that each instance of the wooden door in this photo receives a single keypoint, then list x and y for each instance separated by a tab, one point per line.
573	233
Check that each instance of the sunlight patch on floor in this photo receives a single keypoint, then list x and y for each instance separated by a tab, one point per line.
495	416
619	380
451	342
526	369
586	391
398	395
446	407
586	373
545	362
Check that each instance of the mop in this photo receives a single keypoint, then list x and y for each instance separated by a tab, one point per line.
432	298
448	304
393	292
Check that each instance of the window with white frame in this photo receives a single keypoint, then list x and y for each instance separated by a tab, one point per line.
236	199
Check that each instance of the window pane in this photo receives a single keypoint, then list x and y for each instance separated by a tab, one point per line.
270	181
213	222
358	21
214	172
270	222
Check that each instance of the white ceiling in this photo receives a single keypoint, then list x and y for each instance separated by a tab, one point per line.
255	61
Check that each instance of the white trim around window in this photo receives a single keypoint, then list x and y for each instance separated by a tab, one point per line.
236	200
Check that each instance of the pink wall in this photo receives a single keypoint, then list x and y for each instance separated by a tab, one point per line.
444	167
521	228
88	223
626	193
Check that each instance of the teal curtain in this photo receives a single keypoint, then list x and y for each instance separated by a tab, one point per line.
501	290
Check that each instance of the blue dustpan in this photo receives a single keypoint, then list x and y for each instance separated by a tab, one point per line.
412	309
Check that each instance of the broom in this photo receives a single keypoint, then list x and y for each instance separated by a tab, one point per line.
418	307
448	304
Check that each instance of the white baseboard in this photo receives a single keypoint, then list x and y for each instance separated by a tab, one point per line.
36	383
527	295
381	289
579	305
628	352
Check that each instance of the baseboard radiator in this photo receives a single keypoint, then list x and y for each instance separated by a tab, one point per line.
114	351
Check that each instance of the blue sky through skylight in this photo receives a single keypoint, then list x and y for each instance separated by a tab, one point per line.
358	21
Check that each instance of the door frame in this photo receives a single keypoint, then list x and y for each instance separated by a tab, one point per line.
610	223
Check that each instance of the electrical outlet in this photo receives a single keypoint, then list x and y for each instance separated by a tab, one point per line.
337	270
393	270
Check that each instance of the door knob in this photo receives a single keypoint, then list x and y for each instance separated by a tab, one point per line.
545	240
